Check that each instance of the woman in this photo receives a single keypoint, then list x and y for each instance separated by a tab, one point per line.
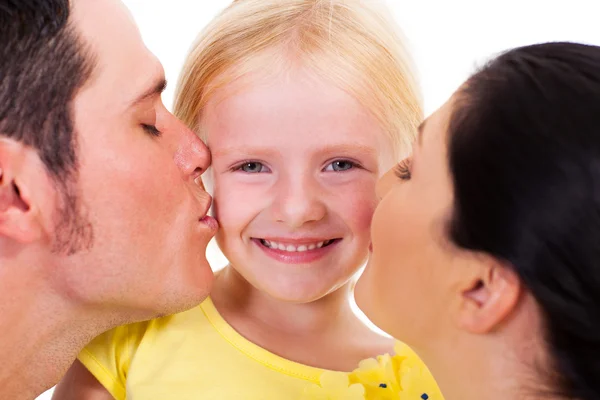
486	247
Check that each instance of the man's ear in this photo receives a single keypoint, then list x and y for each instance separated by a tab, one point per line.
489	296
23	183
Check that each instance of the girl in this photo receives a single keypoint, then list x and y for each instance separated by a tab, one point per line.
303	103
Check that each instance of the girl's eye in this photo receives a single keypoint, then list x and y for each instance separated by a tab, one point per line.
402	170
252	167
341	165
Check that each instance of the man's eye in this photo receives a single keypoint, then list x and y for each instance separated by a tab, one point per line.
252	167
151	129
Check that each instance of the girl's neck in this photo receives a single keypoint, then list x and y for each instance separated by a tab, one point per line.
325	333
236	297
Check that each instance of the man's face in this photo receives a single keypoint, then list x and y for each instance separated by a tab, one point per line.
138	181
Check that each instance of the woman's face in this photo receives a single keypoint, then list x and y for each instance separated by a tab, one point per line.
407	285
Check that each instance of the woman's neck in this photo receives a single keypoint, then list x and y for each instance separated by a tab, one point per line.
486	367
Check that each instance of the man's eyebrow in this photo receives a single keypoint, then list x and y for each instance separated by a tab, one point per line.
156	89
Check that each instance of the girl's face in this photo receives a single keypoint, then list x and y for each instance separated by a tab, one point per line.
295	164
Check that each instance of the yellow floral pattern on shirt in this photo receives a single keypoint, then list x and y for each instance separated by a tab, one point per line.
334	386
399	377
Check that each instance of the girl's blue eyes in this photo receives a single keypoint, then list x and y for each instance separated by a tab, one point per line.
341	165
256	167
252	167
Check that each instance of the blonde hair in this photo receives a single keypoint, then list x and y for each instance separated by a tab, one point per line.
350	42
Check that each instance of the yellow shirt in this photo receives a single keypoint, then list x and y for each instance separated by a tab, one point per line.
198	355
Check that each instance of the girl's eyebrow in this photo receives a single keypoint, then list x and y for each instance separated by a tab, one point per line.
342	148
349	148
244	150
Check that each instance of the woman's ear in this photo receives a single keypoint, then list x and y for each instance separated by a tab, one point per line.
488	296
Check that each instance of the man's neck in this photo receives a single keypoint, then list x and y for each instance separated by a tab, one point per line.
41	337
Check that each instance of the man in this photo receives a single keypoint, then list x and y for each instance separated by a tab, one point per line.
102	211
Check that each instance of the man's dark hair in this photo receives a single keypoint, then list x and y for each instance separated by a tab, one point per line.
524	155
43	64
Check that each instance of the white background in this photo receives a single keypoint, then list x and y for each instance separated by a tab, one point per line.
449	38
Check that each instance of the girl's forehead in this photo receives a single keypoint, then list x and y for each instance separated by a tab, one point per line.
312	105
291	106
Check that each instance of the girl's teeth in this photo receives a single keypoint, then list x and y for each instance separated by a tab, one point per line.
291	248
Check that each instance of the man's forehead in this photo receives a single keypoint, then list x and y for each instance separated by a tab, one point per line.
110	17
125	68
